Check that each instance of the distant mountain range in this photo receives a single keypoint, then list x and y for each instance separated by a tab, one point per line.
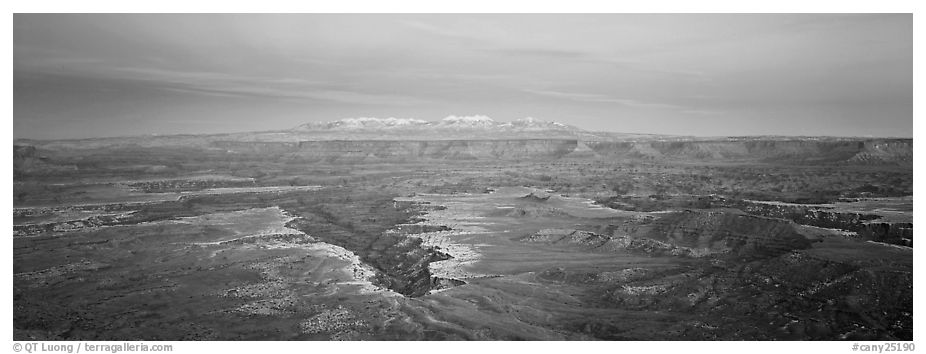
477	127
361	140
451	123
469	128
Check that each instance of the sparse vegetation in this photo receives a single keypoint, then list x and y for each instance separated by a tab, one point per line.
589	247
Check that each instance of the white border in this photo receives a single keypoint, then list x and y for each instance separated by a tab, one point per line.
473	6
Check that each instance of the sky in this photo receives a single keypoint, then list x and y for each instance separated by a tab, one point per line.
96	75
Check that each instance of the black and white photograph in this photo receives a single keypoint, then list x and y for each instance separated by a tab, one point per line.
621	177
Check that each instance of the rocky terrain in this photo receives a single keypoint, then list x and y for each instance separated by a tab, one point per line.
766	150
462	229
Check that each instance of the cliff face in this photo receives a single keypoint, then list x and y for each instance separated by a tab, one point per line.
885	151
264	148
880	151
449	149
709	232
394	150
689	233
897	151
23	157
829	151
865	225
26	159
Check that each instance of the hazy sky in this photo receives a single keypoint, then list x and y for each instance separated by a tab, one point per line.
81	75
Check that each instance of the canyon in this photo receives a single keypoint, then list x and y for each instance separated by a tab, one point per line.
462	229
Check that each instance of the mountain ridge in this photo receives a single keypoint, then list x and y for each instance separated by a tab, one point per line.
475	127
475	122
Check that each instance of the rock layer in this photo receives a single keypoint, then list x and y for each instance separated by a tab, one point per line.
848	151
392	150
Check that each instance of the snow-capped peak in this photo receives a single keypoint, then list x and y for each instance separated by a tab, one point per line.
371	121
477	120
532	123
453	122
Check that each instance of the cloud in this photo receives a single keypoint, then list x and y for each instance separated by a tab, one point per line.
234	85
599	98
702	112
608	60
438	30
543	53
